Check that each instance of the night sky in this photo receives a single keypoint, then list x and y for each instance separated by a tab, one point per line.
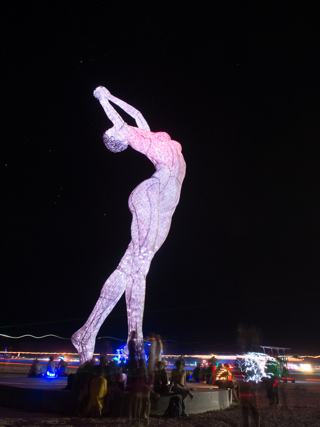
237	84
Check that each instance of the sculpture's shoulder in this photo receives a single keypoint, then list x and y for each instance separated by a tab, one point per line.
165	138
161	138
177	145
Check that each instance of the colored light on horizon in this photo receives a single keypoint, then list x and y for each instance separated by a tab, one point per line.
305	367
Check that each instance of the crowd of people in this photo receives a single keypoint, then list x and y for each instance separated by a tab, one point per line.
142	379
52	370
100	388
138	382
220	376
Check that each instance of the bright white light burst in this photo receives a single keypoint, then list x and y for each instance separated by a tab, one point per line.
253	366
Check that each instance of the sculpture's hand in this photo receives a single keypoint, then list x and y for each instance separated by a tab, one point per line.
103	95
100	92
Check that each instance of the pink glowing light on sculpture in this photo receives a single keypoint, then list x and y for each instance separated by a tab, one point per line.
152	204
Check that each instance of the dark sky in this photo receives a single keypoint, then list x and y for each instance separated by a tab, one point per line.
237	84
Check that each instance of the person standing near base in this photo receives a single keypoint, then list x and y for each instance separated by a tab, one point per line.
178	384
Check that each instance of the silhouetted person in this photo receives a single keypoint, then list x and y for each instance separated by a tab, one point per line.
97	394
161	381
151	356
249	404
272	382
139	401
196	373
51	367
178	383
158	350
62	367
81	384
35	369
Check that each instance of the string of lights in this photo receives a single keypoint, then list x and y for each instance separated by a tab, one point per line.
112	338
33	336
244	357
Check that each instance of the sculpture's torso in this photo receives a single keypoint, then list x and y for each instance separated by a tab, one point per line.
167	158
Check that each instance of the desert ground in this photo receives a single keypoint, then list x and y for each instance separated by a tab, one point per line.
299	407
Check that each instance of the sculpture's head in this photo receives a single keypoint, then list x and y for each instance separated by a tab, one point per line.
113	141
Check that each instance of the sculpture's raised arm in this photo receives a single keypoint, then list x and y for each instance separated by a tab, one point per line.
101	93
133	112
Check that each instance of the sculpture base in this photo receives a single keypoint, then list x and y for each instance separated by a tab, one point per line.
48	396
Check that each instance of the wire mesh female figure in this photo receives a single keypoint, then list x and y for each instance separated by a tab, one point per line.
152	204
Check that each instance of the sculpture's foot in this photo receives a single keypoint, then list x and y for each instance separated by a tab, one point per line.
84	343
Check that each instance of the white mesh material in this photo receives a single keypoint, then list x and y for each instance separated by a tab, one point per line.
152	204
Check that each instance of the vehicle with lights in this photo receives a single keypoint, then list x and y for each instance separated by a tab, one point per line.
280	354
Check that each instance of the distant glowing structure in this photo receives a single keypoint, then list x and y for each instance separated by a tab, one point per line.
152	204
254	366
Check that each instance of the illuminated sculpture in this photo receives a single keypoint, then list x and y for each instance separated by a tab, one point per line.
152	204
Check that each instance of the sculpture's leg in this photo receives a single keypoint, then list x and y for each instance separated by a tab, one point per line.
84	339
144	205
136	290
135	297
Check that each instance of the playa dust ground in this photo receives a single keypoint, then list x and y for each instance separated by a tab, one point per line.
300	406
